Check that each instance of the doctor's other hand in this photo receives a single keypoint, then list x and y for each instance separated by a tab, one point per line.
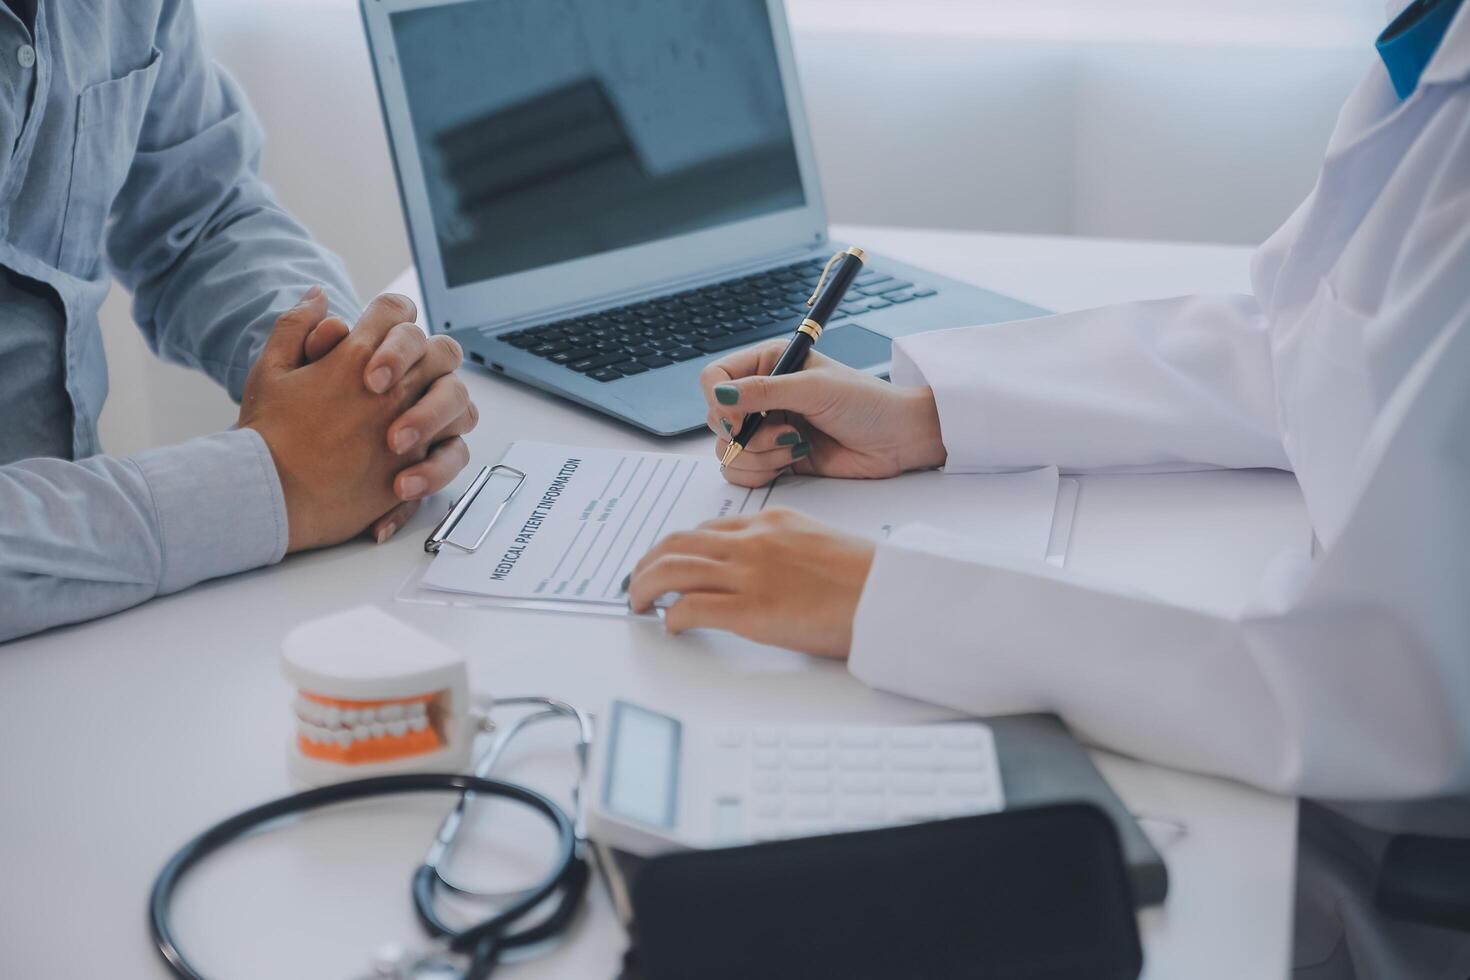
826	420
776	577
329	434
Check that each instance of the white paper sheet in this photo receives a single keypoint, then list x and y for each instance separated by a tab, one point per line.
583	517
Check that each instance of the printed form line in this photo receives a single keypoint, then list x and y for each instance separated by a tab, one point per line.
653	475
622	563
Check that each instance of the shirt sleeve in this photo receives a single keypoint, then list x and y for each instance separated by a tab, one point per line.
195	235
1344	678
1157	385
80	540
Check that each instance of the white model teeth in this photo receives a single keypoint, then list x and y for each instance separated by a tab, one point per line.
326	724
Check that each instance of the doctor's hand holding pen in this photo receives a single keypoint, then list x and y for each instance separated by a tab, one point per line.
779	577
825	420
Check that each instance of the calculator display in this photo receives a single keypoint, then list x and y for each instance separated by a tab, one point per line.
643	770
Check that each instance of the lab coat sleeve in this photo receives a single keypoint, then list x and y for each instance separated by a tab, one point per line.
1156	385
1344	678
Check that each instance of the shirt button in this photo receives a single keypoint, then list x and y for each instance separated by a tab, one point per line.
26	56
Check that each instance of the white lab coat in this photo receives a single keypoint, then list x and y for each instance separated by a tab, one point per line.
1348	675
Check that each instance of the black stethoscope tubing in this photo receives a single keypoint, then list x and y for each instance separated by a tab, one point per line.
483	942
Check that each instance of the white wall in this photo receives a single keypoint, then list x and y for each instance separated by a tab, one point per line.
1180	120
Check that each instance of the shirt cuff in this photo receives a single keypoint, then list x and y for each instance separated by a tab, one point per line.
916	364
219	506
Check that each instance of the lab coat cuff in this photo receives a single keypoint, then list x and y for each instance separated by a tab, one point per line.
894	609
219	506
928	360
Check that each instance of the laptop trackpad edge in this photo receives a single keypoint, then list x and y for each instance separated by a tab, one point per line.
855	346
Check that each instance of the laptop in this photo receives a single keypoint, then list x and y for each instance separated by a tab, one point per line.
603	196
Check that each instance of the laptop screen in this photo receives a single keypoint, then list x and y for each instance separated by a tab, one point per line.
551	131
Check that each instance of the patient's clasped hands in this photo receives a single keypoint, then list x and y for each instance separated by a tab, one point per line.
780	577
363	423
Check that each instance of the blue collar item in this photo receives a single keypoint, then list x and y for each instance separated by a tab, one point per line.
1407	44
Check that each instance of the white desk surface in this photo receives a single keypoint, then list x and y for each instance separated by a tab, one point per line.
124	737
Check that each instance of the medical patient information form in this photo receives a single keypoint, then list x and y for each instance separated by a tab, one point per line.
581	518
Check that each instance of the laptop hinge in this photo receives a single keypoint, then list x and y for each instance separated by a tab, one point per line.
660	289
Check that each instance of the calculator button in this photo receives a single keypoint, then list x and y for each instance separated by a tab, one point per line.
809	782
966	784
912	760
915	782
859	760
731	738
859	738
729	820
768	808
910	809
766	782
961	736
766	760
766	738
910	738
807	738
860	782
862	811
809	806
963	759
807	758
807	827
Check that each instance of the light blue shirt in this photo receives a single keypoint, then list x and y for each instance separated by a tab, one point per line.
124	151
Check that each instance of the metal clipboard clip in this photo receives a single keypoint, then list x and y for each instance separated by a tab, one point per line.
440	535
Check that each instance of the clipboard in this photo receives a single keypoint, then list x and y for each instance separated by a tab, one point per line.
474	515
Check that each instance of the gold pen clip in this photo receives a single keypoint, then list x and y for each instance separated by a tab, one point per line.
853	250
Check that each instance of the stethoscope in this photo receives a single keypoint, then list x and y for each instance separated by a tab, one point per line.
524	918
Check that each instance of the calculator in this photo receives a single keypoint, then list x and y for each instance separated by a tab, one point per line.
659	784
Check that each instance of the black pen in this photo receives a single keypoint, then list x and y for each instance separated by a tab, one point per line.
807	334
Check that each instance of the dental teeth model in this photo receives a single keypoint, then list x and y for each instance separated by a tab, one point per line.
374	696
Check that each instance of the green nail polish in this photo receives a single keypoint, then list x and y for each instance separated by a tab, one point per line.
728	430
626	579
801	450
788	439
727	394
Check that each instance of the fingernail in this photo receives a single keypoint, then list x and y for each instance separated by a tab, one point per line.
788	439
729	430
386	531
310	295
403	441
801	450
727	394
414	487
379	380
626	579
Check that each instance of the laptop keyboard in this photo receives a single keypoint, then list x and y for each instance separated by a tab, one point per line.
655	333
